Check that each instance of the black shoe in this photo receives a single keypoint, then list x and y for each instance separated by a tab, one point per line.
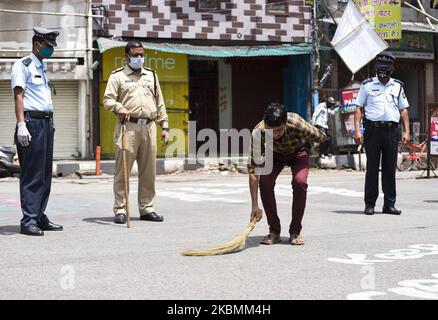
151	217
49	226
369	211
391	210
120	218
32	230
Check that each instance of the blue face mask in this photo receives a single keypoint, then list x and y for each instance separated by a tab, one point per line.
136	62
46	52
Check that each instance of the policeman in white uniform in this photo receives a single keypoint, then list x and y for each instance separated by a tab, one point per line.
381	102
34	132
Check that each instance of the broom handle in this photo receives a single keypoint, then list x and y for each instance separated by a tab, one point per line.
253	223
125	174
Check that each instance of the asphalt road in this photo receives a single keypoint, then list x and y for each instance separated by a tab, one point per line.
347	255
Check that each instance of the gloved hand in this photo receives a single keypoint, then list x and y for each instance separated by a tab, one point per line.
23	134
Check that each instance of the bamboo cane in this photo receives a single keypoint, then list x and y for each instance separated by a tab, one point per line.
125	174
235	245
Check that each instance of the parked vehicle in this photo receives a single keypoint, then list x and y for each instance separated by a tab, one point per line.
7	165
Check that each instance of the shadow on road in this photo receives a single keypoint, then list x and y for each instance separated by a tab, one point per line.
350	212
9	230
253	241
107	221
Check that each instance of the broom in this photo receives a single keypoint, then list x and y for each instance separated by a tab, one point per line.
234	245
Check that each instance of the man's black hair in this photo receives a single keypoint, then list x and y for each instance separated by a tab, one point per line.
275	115
132	44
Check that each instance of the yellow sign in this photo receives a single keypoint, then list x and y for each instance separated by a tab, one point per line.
170	67
383	15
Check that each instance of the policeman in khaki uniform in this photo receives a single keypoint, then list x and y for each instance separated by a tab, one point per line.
383	102
134	94
34	134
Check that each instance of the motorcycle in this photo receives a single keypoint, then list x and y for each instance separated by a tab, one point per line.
8	165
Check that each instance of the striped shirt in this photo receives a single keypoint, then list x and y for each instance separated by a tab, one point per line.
298	133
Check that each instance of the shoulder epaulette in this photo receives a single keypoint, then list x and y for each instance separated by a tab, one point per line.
367	80
398	81
118	70
148	69
27	61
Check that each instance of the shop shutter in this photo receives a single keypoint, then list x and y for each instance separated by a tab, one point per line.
66	117
7	114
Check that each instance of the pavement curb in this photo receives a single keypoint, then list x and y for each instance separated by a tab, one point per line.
62	168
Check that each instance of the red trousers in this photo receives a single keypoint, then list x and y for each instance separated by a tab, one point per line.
299	163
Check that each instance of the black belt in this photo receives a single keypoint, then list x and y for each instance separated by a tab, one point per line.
381	124
39	114
140	120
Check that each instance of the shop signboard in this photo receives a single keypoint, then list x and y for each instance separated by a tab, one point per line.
434	133
348	100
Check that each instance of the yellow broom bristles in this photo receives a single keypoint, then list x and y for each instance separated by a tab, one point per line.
234	245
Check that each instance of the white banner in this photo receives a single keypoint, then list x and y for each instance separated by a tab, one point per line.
355	40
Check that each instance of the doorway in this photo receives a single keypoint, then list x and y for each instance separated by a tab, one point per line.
203	95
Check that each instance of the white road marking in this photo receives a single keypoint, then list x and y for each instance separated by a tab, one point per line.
238	193
413	288
413	252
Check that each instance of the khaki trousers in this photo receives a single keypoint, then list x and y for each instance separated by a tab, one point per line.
141	146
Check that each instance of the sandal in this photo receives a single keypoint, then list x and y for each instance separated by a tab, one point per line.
271	238
296	240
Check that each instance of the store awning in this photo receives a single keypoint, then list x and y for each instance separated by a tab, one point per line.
215	51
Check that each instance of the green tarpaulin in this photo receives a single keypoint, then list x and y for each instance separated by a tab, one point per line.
215	51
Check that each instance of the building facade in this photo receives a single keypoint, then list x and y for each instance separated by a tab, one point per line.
226	60
67	69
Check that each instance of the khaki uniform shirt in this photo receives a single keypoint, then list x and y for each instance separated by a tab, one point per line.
135	92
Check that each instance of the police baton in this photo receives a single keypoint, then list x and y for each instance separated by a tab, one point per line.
125	173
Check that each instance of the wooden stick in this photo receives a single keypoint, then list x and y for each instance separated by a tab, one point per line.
125	173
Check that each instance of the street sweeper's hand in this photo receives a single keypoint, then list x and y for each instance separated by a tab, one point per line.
257	213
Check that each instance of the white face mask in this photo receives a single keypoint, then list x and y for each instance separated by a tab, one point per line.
136	62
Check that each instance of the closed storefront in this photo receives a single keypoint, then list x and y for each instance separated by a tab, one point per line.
7	114
256	83
68	69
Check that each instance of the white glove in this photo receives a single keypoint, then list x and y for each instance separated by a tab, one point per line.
23	134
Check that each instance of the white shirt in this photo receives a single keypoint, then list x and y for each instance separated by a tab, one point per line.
33	79
321	115
382	102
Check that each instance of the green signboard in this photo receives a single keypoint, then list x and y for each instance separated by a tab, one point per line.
413	45
413	41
